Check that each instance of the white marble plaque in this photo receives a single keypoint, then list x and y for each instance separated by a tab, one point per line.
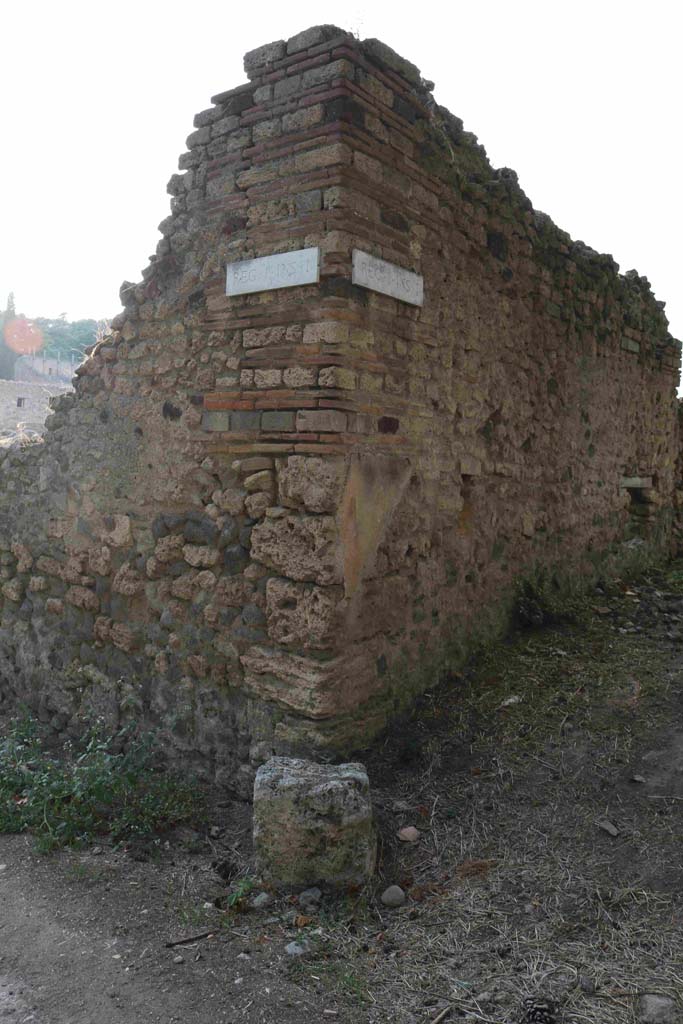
284	270
389	279
636	483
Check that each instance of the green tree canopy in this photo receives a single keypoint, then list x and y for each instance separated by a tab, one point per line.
64	338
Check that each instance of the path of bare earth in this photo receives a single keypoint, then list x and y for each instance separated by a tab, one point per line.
83	940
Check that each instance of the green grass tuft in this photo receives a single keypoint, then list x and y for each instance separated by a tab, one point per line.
93	790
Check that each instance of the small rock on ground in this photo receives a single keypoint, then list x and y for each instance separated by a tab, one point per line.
310	898
261	901
409	834
295	949
394	896
653	1009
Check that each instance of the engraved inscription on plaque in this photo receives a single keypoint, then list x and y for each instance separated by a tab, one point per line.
284	270
381	276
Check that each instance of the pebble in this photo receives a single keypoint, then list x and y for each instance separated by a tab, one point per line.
310	898
261	901
654	1009
179	959
409	834
394	896
295	949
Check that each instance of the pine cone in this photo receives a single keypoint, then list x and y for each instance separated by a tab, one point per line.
538	1011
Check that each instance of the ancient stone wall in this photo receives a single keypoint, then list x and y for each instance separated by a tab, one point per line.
263	521
37	368
24	405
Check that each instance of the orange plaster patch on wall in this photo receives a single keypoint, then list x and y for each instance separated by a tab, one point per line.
374	488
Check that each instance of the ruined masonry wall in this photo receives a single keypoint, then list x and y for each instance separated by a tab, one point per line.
262	521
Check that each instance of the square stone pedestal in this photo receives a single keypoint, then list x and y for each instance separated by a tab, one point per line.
313	824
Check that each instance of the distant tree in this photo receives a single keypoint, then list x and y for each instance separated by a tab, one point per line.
7	356
64	338
56	338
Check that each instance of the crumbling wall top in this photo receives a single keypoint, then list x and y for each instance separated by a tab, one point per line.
447	151
444	150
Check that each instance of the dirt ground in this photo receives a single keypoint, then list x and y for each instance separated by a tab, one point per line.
546	784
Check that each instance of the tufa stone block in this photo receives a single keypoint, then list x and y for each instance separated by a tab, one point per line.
253	464
13	590
314	36
199	138
262	480
381	54
329	332
327	72
303	118
308	202
256	60
286	87
313	824
302	547
311	483
299	376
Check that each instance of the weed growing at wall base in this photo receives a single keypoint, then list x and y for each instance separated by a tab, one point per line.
69	797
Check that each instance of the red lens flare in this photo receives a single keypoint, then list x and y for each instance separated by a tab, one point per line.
23	336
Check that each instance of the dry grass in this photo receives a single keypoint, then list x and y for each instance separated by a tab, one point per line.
514	889
539	924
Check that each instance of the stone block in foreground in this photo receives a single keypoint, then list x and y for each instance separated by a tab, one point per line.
313	824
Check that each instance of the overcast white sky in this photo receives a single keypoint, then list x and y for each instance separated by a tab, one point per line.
582	99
